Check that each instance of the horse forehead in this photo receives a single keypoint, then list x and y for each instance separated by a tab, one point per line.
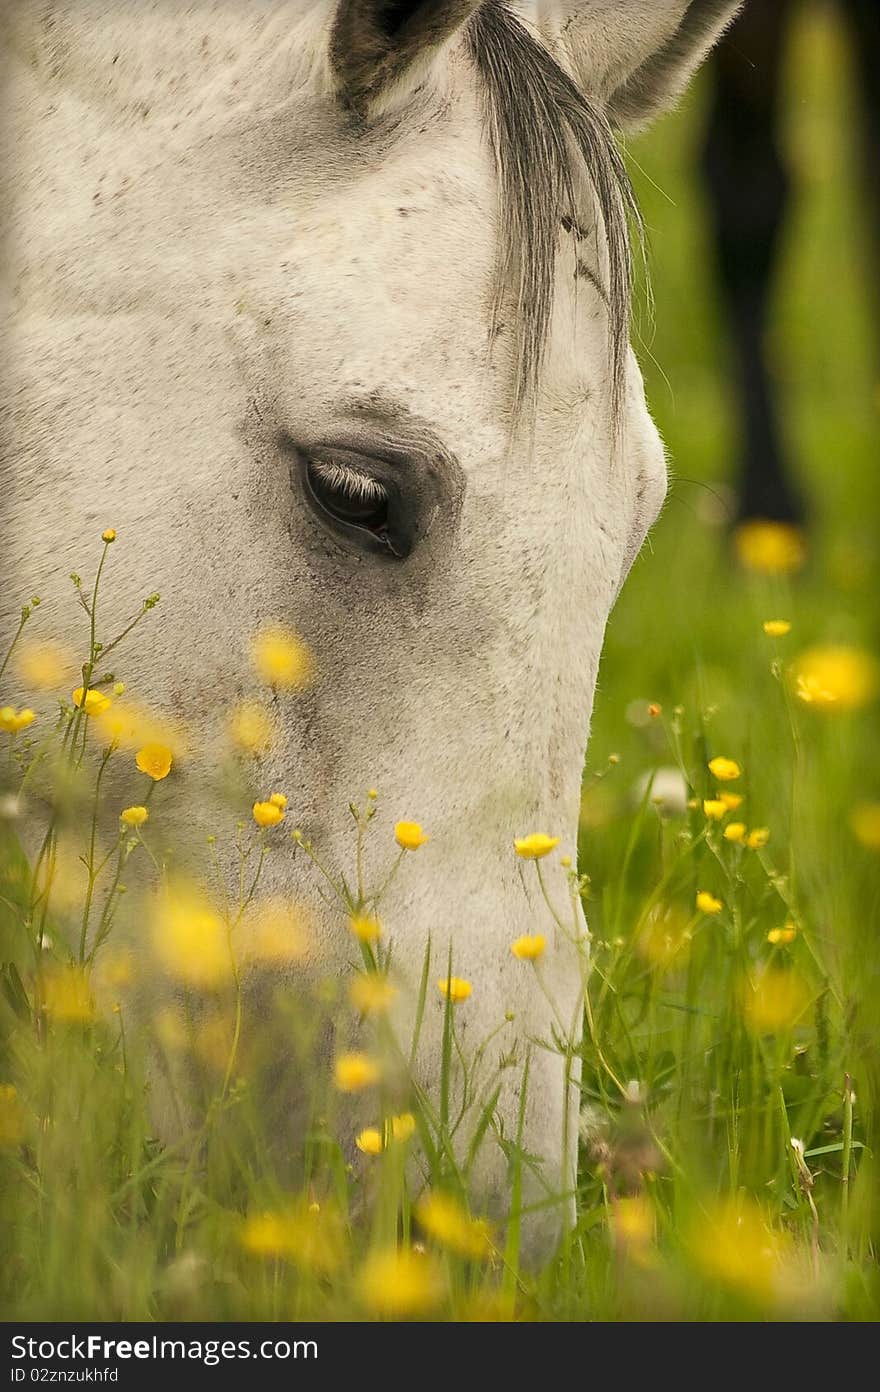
156	61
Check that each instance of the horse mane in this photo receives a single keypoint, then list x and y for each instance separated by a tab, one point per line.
547	136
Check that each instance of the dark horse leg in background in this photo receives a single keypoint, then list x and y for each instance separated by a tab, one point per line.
863	18
748	187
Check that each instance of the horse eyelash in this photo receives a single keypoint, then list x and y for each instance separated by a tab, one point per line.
350	482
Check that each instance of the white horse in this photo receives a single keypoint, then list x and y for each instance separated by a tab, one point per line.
322	304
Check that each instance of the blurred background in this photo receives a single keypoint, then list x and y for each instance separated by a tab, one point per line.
687	631
691	587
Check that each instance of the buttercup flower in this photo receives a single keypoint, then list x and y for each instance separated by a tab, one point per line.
445	1220
12	1118
410	836
93	703
370	1141
274	930
734	1246
370	993
776	628
714	809
770	548
535	846
353	1072
268	814
12	720
190	937
731	800
44	665
775	1002
836	677
725	770
310	1234
529	947
736	832
134	816
282	659
155	761
865	822
67	996
455	989
367	928
250	728
402	1127
400	1283
707	903
758	838
784	935
108	535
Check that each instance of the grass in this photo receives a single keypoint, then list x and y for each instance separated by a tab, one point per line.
730	1080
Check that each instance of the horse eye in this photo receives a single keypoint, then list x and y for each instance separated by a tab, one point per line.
356	503
347	495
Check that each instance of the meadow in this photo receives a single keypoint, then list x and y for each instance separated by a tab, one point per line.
728	864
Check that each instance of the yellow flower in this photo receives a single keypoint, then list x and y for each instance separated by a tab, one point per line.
782	935
535	846
775	1002
250	728
735	831
95	702
12	1127
402	1127
134	816
725	770
714	809
372	794
155	761
665	938
268	814
355	1071
455	989
770	548
398	1129
633	1221
758	838
12	720
776	628
865	822
365	927
731	800
707	903
445	1220
132	726
734	1246
190	938
282	659
399	1283
565	862
310	1234
839	677
108	535
67	995
529	948
409	836
370	993
278	800
44	665
370	1141
274	930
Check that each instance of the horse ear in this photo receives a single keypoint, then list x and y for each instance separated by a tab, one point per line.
636	57
378	45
